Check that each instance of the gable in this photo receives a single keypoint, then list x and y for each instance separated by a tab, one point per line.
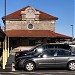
30	14
17	14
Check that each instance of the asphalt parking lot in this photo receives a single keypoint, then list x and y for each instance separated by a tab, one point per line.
39	72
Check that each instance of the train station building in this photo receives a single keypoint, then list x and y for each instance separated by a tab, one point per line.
29	26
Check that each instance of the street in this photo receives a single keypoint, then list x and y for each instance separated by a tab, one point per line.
39	72
8	70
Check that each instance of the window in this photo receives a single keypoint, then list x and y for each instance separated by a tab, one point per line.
30	26
63	53
49	52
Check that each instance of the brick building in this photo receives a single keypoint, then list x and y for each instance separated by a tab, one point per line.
29	26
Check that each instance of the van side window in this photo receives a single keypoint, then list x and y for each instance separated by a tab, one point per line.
49	52
63	53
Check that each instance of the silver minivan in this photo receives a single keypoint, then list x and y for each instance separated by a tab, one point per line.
49	58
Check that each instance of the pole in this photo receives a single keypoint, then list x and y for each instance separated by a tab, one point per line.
72	33
5	37
4	45
8	46
3	56
5	15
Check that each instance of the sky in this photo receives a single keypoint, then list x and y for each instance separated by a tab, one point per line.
63	9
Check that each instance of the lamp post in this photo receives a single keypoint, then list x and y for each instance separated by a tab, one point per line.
4	44
72	32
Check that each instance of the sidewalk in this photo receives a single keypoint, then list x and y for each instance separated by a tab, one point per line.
8	65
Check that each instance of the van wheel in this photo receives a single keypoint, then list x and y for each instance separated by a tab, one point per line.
29	66
71	65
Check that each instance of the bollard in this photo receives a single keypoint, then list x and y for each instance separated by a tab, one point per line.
13	69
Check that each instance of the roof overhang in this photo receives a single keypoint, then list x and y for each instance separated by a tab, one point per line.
35	33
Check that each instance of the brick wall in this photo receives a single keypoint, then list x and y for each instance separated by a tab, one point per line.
23	25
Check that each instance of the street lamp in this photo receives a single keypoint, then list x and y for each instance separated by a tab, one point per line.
5	14
4	59
72	32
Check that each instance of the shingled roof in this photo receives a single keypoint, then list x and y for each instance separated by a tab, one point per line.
17	15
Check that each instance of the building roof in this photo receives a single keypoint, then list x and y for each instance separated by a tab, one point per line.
17	15
35	33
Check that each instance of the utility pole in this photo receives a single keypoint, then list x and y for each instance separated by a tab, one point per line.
72	32
5	41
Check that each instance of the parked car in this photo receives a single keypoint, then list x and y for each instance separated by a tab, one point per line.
48	58
39	48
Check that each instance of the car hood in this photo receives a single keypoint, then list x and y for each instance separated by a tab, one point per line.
28	56
25	57
24	53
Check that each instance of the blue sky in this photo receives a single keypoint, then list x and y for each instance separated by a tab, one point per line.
63	9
